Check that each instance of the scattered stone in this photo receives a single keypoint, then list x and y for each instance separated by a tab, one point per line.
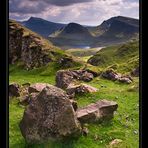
14	90
135	72
135	132
49	116
80	89
125	80
85	131
115	143
96	137
99	111
66	77
66	62
111	75
95	74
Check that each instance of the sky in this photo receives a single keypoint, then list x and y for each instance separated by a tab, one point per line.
85	12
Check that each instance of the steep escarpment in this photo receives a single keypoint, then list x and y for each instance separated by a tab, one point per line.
31	49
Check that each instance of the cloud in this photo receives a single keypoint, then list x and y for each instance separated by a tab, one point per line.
65	2
91	12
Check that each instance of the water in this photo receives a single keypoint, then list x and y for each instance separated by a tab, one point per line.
81	46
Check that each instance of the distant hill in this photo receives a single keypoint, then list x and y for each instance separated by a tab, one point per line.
115	30
73	34
41	26
124	57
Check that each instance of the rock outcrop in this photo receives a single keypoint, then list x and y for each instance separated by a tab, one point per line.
66	77
26	46
32	50
49	116
97	112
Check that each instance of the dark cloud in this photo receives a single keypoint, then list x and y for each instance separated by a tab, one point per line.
37	6
27	6
65	2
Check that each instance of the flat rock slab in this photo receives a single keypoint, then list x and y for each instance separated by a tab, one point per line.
37	87
98	111
80	89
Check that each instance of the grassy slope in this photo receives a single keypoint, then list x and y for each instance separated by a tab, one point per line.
124	125
124	58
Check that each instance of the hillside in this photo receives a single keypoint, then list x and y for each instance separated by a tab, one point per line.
31	50
41	26
73	34
122	57
115	30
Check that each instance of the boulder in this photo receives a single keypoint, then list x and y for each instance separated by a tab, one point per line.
14	90
49	116
111	75
66	77
125	80
63	78
99	111
80	89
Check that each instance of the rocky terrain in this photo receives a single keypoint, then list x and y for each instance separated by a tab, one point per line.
58	101
31	49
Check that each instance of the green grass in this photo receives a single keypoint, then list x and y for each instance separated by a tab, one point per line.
82	52
123	57
124	125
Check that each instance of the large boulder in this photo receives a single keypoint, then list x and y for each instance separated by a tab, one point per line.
80	89
66	77
14	90
49	116
99	111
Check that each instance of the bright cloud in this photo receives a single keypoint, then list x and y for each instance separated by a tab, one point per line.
88	12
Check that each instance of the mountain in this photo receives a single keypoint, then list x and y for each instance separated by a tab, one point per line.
31	50
73	34
41	26
115	30
116	25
